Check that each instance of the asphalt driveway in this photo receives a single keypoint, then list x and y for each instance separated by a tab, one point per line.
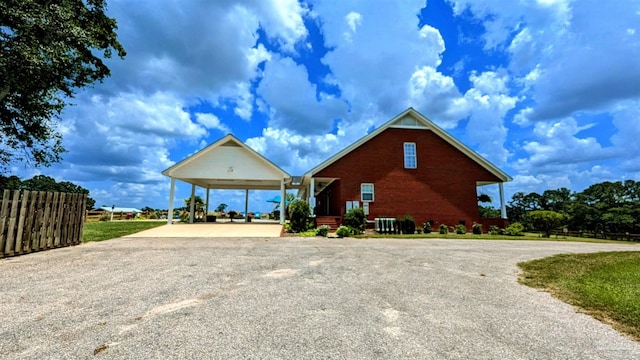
293	298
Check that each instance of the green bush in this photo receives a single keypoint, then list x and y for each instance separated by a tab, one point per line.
419	230
356	220
444	229
461	229
322	231
426	227
299	212
476	228
546	221
344	231
407	224
494	230
153	215
514	229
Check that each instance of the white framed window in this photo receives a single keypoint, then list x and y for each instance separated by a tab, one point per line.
410	157
366	192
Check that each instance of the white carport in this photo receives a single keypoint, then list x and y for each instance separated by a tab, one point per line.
227	164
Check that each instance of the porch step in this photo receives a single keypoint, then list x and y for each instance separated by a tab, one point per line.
332	221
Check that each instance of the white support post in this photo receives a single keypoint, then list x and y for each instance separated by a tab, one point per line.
172	193
312	195
503	208
283	201
192	205
246	205
206	208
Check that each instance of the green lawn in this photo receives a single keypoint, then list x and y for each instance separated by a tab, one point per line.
105	230
605	285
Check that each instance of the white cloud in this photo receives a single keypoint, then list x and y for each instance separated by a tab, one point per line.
283	21
488	102
294	103
626	118
374	68
353	19
210	121
559	149
578	66
437	96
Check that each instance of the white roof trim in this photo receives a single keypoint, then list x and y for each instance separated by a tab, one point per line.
229	137
426	124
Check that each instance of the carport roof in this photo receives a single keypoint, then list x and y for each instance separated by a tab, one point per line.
229	164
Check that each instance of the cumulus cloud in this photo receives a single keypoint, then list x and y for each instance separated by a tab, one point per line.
374	68
564	50
294	103
489	101
124	138
437	96
210	121
558	146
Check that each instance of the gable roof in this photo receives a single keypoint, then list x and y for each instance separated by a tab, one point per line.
228	164
412	119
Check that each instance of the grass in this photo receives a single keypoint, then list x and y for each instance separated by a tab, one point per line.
604	285
105	230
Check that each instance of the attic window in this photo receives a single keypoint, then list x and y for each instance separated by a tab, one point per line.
410	159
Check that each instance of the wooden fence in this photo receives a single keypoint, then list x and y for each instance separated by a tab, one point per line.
38	220
598	235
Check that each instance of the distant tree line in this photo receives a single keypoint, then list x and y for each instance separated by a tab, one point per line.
607	206
44	183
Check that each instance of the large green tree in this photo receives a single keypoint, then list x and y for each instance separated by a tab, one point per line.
48	51
44	183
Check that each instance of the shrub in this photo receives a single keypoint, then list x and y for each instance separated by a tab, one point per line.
476	228
287	227
461	229
514	229
444	229
344	231
546	221
408	224
299	212
322	231
106	216
356	220
153	215
494	230
419	230
426	227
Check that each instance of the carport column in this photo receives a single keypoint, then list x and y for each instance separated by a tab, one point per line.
246	205
283	200
206	209
192	205
312	195
503	208
172	193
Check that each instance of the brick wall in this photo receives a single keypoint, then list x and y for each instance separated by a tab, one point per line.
442	188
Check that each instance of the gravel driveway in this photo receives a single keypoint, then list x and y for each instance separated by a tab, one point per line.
294	298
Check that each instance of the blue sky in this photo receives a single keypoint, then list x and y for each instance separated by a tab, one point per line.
547	90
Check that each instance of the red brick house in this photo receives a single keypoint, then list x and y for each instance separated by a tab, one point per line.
408	166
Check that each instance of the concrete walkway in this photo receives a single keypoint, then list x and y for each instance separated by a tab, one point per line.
213	230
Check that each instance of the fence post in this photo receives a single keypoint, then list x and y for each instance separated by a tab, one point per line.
3	220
